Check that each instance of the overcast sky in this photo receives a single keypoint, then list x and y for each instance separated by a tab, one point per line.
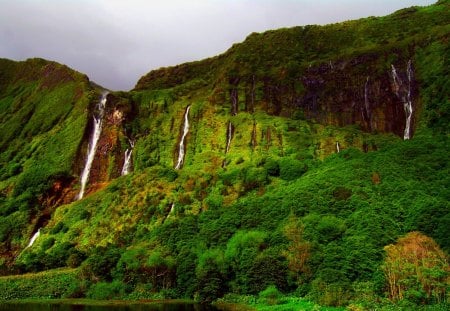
117	41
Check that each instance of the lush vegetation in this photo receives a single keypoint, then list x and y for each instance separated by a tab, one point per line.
303	209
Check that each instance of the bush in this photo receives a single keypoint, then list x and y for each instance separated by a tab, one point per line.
75	258
168	173
270	295
214	201
105	290
48	243
100	264
291	169
255	178
272	167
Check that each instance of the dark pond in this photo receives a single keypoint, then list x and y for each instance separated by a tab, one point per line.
121	307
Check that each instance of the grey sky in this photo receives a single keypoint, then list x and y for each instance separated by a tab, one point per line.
117	41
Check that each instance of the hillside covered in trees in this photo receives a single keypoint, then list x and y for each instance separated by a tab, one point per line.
303	162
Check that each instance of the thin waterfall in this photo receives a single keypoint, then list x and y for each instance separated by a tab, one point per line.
98	120
406	99
396	80
181	150
127	160
229	136
172	210
338	148
34	238
407	105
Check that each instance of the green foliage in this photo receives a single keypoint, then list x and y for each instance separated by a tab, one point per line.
279	212
100	263
271	295
54	284
291	169
106	291
272	167
210	274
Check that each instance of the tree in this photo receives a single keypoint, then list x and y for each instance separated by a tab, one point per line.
299	250
416	268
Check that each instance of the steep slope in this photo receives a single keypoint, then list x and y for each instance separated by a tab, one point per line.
46	120
42	123
337	74
331	140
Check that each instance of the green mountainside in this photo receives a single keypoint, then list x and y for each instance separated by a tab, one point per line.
315	164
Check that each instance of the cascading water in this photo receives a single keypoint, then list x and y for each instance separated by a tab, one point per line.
93	143
34	238
338	148
183	137
407	105
406	99
127	160
172	209
396	80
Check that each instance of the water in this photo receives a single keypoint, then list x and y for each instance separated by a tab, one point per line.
119	307
34	238
407	105
172	209
93	144
396	80
127	160
183	137
399	89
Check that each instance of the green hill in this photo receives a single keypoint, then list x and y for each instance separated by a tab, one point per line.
309	150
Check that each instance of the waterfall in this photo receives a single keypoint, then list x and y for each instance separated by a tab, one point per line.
404	96
338	148
396	80
34	238
93	143
127	159
407	105
181	150
229	136
172	210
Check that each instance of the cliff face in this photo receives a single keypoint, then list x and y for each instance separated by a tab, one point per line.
111	146
340	74
346	92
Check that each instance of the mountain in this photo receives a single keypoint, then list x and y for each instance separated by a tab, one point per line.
297	159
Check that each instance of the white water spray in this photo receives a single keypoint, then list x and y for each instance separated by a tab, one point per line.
405	98
172	210
229	134
127	160
93	144
407	105
34	238
396	80
181	150
338	148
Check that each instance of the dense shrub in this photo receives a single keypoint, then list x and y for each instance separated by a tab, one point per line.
100	263
105	290
291	169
